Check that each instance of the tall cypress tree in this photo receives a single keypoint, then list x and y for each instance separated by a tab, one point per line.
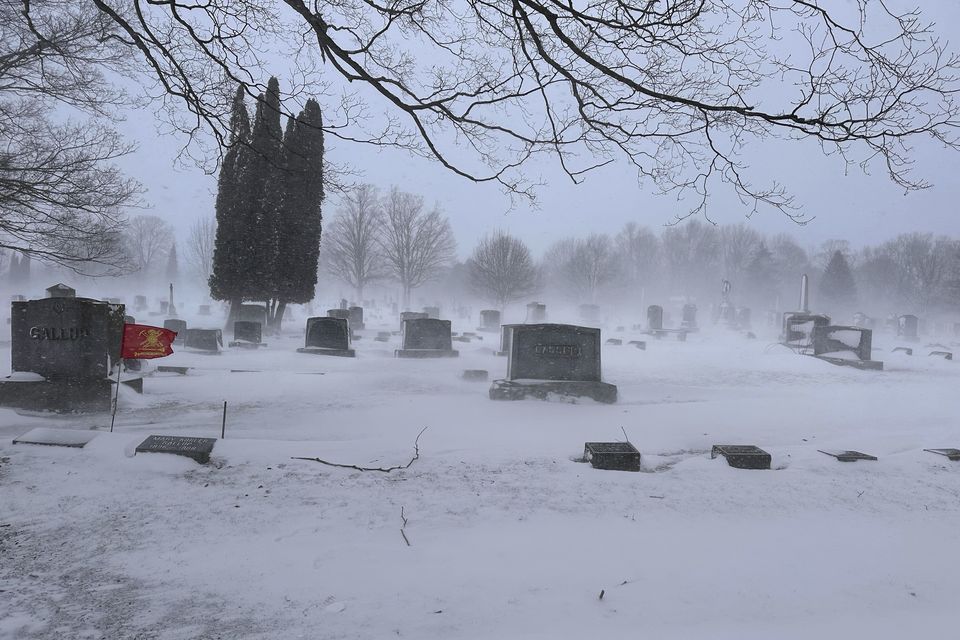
264	184
231	260
299	218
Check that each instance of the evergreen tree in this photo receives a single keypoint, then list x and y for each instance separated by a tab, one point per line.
761	276
299	219
231	260
837	285
264	184
173	269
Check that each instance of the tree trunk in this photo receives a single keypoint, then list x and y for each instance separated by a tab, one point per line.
278	317
234	311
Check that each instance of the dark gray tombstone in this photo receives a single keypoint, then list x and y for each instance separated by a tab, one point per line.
247	333
426	338
328	336
689	317
489	320
252	313
356	318
198	449
140	303
61	290
799	327
411	315
71	343
612	456
741	456
536	313
208	341
829	339
908	327
179	326
341	314
848	456
203	310
475	375
654	317
432	312
553	359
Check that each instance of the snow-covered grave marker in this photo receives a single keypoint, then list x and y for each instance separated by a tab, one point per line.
848	456
553	359
207	341
426	338
612	456
742	456
946	355
56	437
328	336
198	449
906	350
247	334
952	454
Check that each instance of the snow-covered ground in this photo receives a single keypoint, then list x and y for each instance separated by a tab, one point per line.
509	536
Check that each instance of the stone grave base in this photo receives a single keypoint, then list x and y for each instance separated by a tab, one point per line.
426	353
866	365
544	389
61	396
489	329
319	351
239	344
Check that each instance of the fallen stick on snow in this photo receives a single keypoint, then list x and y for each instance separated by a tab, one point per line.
416	456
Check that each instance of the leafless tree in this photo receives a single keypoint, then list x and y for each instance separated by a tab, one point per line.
61	197
415	242
827	248
147	239
200	242
691	257
677	88
738	245
924	267
353	253
502	269
583	266
638	251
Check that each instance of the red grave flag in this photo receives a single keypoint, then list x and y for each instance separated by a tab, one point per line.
141	341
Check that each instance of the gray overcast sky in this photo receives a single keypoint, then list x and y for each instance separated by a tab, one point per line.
862	208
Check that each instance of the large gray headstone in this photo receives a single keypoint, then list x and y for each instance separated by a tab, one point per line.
328	333
427	333
246	331
490	319
210	340
355	317
252	313
65	337
908	326
554	352
654	317
179	326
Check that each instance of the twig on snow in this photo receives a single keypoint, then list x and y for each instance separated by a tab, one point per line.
416	456
404	526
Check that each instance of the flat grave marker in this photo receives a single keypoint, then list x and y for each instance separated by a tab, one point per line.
613	456
848	456
742	456
475	375
57	437
198	449
952	454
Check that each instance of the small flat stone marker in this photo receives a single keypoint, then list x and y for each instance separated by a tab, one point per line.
614	342
952	454
639	344
198	449
906	350
168	369
742	456
57	437
475	374
946	355
848	456
614	456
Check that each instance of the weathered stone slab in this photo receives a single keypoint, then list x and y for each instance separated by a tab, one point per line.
198	449
476	375
570	390
952	454
615	342
204	340
177	326
355	318
489	320
906	350
74	438
742	456
168	369
946	355
64	395
248	331
847	456
613	456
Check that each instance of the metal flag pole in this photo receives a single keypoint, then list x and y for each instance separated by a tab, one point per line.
116	397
